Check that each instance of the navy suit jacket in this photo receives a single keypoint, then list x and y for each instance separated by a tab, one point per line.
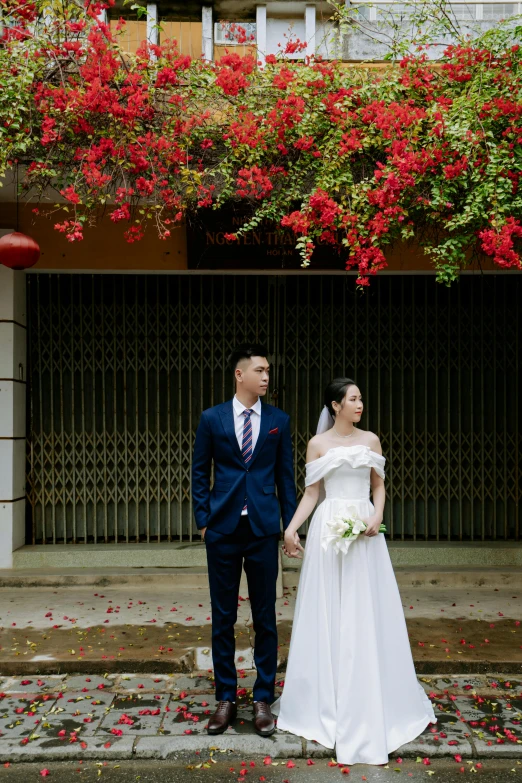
271	466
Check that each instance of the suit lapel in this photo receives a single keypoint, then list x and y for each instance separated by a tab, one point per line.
266	418
227	420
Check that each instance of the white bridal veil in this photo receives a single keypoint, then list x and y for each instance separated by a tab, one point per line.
324	424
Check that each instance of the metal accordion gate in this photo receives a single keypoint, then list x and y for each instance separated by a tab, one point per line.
121	366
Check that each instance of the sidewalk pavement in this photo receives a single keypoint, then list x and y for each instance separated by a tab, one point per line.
162	628
109	717
65	651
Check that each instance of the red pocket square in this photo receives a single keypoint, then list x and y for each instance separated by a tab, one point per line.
274	431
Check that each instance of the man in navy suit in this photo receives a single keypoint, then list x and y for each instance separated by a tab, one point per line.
239	519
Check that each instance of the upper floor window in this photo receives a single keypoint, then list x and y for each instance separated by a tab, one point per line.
463	12
234	33
498	10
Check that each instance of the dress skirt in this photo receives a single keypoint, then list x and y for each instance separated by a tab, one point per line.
350	682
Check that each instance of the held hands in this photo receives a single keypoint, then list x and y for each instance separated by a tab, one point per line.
291	546
372	526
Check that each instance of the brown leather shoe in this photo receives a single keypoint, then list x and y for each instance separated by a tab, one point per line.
264	723
225	713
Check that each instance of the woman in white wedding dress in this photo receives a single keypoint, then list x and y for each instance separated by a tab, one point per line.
350	681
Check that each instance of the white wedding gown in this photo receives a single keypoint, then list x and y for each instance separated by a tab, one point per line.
350	681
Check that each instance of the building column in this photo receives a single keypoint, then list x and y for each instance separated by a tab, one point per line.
152	26
261	34
310	30
207	32
13	332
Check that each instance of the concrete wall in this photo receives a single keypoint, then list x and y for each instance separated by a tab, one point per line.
103	246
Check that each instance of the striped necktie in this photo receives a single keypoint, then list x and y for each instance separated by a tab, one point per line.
247	440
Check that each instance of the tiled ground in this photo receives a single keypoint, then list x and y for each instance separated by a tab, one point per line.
477	715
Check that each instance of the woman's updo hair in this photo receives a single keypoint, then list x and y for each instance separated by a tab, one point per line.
336	392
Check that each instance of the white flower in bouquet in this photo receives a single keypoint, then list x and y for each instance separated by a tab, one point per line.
342	530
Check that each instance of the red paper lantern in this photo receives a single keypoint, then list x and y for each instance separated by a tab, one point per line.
18	251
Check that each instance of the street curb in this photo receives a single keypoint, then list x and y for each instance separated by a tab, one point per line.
279	746
51	750
276	746
195	577
415	749
186	664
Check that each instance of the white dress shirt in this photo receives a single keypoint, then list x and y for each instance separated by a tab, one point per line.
239	423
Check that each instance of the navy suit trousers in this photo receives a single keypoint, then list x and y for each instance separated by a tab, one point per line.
225	557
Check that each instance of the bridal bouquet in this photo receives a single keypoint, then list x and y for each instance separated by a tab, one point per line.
341	531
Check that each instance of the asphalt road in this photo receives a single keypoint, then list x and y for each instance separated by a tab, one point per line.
229	770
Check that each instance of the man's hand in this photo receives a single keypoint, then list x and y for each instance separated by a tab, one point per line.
203	530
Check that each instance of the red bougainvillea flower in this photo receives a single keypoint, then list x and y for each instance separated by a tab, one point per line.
232	70
499	243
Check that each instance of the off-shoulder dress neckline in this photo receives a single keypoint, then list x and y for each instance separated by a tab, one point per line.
337	448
